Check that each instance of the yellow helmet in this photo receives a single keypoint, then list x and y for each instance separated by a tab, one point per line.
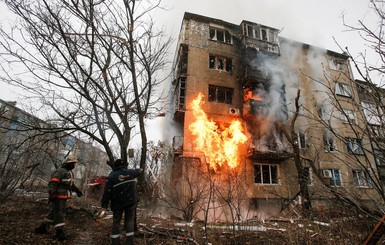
70	159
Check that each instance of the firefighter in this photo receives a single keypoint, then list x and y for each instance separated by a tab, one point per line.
120	192
60	188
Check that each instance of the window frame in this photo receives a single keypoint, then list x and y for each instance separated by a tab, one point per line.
329	143
379	155
361	178
372	113
227	38
336	178
220	63
343	89
351	142
273	172
215	92
348	116
302	140
337	65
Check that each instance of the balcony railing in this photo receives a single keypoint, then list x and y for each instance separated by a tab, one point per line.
261	45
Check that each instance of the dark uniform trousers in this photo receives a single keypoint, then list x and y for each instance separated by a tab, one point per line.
129	212
57	212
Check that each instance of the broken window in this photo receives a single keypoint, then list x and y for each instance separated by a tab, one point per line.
348	116
221	94
333	177
361	178
355	146
229	65
264	35
228	37
301	139
343	89
379	154
372	112
266	174
250	31
220	63
337	65
213	34
212	62
220	35
329	143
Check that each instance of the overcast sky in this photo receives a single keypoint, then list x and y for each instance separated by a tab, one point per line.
309	21
314	22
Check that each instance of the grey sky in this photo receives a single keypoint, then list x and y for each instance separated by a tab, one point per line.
309	21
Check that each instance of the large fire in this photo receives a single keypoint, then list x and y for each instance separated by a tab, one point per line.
219	144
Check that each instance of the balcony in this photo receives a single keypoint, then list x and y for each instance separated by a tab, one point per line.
260	45
269	155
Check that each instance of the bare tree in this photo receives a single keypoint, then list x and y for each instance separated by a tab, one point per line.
296	154
26	154
94	64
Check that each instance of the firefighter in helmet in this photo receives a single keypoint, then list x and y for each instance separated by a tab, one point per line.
60	188
120	191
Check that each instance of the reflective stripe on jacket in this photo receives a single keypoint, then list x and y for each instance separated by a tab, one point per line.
120	188
61	183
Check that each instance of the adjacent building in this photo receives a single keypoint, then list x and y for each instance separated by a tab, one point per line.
32	148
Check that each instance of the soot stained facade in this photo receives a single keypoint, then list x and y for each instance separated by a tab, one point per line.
248	72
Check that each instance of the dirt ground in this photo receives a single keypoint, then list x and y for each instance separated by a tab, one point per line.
20	215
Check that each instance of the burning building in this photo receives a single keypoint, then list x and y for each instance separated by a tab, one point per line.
235	85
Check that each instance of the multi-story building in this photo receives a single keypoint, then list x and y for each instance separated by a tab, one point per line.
247	73
32	148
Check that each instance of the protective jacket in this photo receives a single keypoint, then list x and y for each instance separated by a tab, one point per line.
120	188
62	184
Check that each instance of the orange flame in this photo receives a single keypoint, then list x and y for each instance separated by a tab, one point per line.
220	145
248	94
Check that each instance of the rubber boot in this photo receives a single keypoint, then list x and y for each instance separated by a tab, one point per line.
115	241
42	229
60	235
129	240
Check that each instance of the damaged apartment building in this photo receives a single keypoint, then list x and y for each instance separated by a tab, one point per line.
247	73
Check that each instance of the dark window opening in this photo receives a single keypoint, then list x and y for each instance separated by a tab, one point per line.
265	174
212	34
250	31
220	63
264	35
221	94
219	35
301	140
228	38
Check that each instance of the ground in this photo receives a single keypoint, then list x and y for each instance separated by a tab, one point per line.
21	214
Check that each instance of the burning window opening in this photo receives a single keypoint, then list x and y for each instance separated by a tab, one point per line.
220	143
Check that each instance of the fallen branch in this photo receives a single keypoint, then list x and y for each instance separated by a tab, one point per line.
173	236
